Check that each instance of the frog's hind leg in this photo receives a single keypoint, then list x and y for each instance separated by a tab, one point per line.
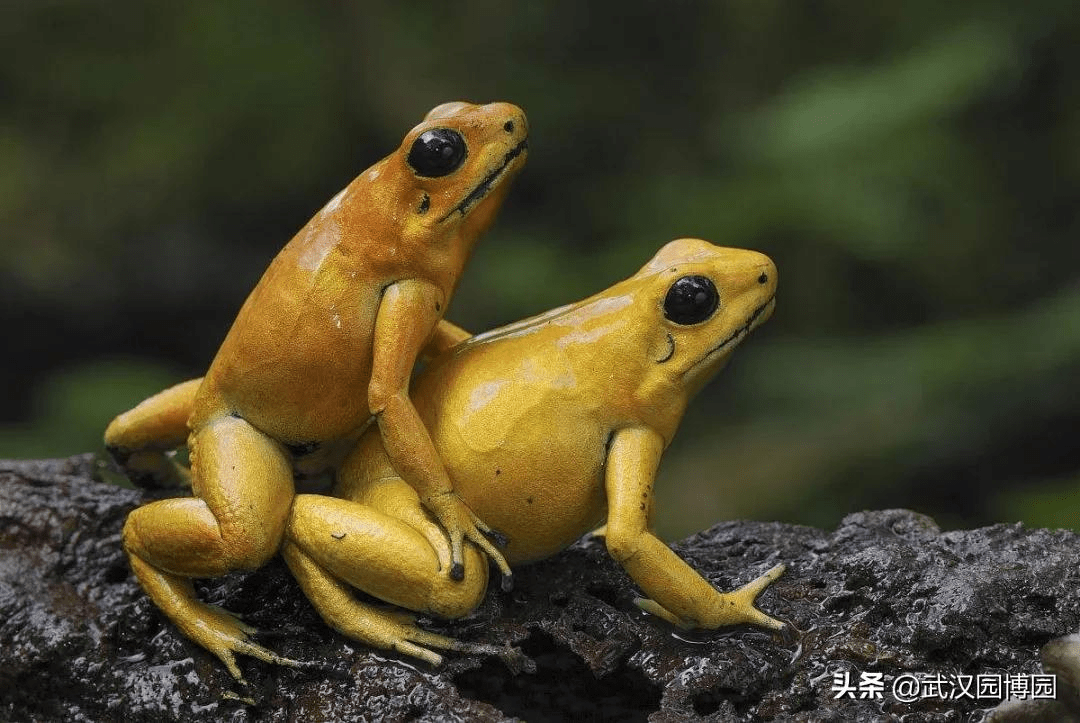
333	543
354	619
141	439
243	482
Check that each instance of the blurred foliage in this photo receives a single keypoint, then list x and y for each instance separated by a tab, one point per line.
72	406
913	168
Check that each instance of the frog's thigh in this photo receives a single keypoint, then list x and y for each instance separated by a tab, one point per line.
243	485
383	556
139	438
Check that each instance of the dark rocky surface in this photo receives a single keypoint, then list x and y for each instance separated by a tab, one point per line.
886	592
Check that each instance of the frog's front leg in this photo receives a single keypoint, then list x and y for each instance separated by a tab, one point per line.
331	544
408	312
243	486
679	594
141	438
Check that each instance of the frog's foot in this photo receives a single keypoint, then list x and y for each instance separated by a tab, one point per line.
152	469
437	539
732	608
397	630
141	439
461	524
392	629
224	635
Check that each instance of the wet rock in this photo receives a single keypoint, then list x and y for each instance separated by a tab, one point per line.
885	593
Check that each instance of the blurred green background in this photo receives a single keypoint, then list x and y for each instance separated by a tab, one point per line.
913	168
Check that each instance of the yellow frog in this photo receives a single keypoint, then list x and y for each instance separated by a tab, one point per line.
548	427
325	342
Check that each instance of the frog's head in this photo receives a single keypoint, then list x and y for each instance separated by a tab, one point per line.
453	170
704	300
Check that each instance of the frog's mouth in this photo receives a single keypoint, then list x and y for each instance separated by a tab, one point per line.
755	320
489	182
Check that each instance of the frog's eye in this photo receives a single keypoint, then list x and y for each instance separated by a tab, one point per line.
437	152
690	300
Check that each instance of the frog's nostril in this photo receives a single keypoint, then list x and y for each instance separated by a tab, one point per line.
508	126
763	279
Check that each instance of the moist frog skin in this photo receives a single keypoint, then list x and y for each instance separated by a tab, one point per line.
324	344
548	427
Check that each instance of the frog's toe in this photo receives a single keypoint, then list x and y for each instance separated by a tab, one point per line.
754	588
756	617
225	656
496	537
417	651
402	634
654	608
437	539
457	556
487	542
740	603
481	541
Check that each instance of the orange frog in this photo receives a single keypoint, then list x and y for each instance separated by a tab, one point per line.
548	427
325	343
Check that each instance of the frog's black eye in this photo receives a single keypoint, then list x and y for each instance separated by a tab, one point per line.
437	152
690	300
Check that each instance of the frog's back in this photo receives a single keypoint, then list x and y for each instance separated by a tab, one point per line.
522	417
294	362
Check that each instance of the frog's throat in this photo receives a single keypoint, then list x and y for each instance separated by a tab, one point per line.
488	183
737	335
